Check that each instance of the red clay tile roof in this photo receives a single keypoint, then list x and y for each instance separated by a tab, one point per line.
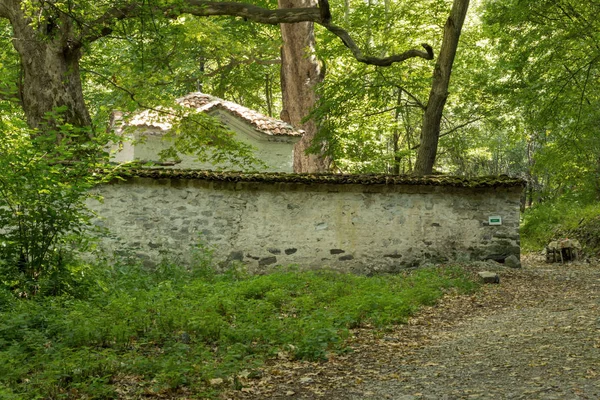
262	123
205	103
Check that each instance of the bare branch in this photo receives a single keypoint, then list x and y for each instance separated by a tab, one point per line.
358	54
415	99
381	62
396	108
448	132
587	79
131	94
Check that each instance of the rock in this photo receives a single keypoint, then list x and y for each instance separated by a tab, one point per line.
267	261
512	261
489	277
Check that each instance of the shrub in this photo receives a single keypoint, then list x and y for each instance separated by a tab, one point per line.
45	177
563	217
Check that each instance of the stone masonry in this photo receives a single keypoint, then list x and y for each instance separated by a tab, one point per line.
360	224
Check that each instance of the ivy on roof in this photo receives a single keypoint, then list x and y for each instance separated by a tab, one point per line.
305	178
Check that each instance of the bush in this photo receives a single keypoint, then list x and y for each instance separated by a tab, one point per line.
45	177
563	217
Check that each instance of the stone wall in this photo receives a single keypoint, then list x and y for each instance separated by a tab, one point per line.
364	226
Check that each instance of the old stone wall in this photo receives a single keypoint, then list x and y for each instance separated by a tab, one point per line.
362	228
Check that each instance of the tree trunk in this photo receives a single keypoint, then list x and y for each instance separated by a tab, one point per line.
396	136
430	129
300	72
50	62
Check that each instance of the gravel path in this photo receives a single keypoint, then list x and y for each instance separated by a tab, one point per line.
536	335
547	347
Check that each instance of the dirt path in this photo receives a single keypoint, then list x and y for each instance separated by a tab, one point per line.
534	336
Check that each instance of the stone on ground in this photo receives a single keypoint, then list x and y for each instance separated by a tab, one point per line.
489	277
512	261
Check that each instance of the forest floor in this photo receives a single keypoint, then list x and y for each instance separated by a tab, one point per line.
536	335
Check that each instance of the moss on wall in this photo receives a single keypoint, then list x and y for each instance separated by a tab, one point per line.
371	179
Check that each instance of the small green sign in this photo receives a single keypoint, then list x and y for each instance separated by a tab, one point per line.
495	220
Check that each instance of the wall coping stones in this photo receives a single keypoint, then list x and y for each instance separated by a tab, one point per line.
324	178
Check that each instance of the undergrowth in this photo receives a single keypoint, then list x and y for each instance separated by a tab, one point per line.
172	329
561	218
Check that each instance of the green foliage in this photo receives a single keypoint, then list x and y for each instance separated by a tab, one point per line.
370	116
205	137
150	60
546	60
158	331
567	216
44	181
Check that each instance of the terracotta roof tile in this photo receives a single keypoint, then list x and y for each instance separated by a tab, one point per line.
262	123
205	103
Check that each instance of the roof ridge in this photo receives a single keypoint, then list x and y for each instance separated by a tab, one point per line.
253	117
202	102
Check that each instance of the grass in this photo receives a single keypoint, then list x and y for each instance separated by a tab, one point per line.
174	330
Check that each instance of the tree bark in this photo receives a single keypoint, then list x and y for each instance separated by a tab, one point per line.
430	129
300	73
50	62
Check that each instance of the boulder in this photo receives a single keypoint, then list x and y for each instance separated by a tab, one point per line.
512	261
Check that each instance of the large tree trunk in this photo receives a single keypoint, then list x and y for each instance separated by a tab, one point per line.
50	62
300	72
430	129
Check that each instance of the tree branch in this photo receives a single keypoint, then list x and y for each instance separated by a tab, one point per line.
415	99
202	8
129	92
381	62
450	131
321	15
104	25
233	63
4	10
395	108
